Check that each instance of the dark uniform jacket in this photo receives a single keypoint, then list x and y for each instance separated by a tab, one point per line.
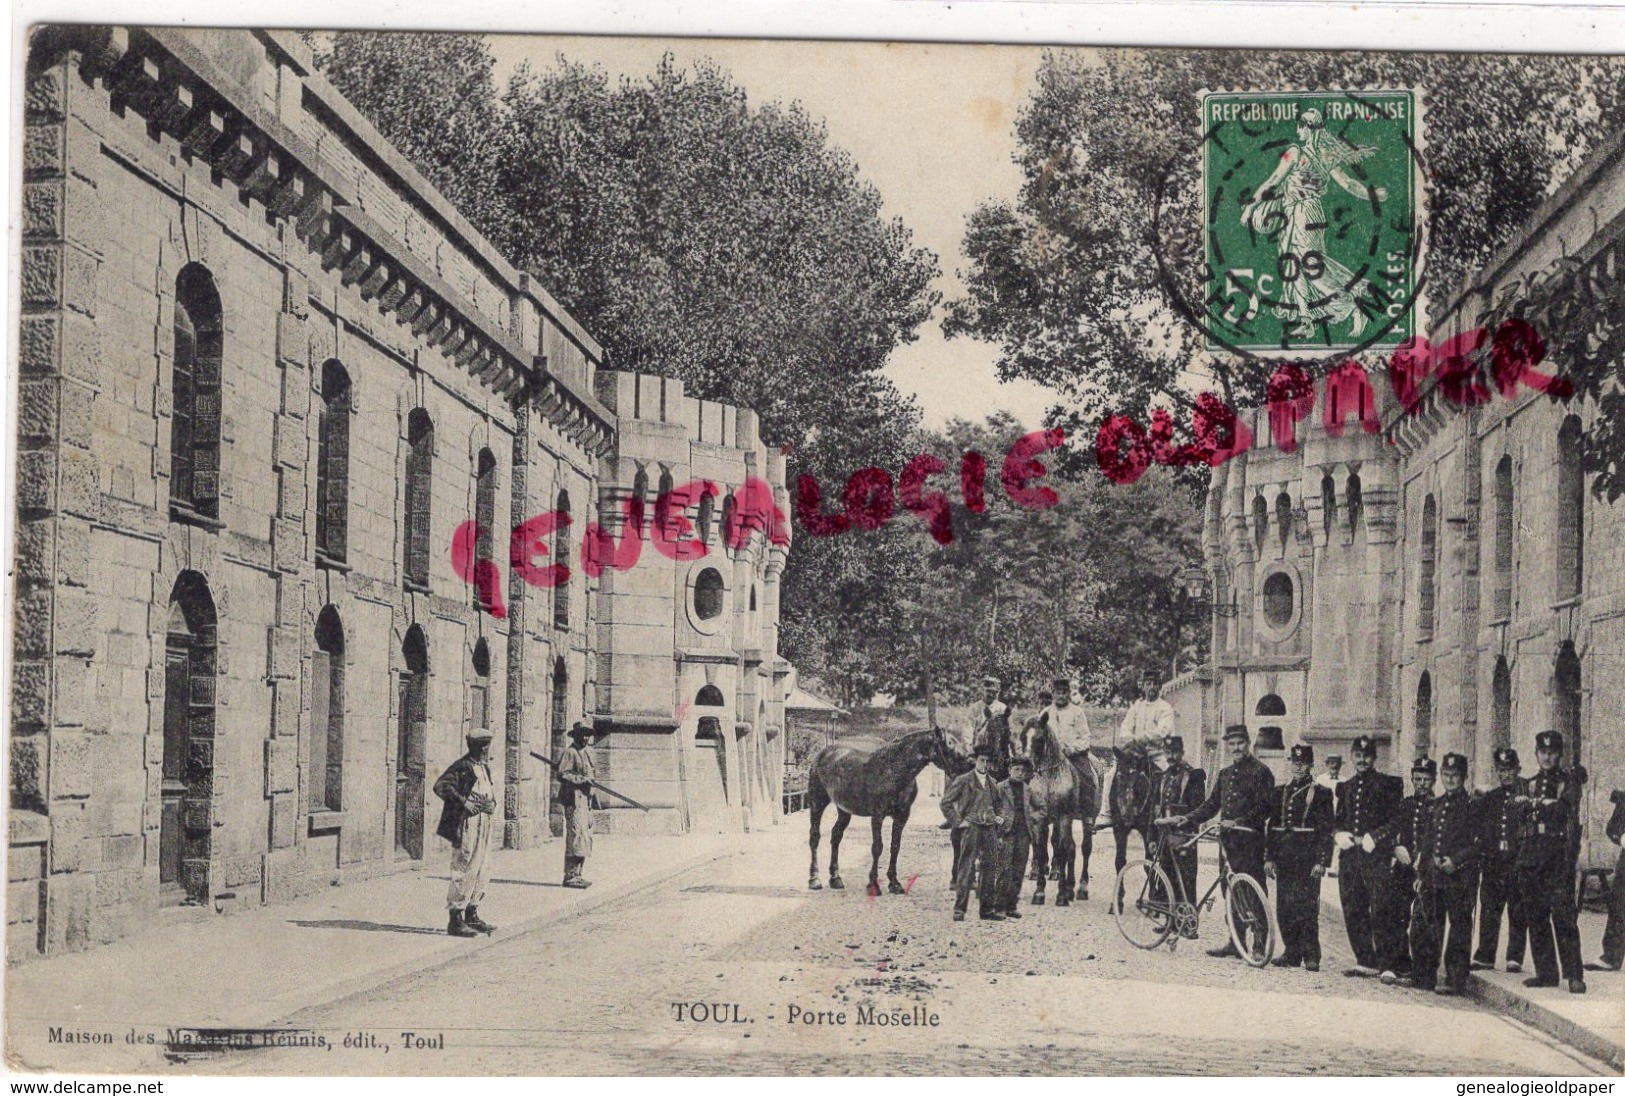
1300	827
1244	793
983	802
1406	830
1015	793
453	788
1453	830
1549	820
1616	822
1366	802
1499	821
1179	790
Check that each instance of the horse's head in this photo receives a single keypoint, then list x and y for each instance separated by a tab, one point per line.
1037	739
945	753
1134	756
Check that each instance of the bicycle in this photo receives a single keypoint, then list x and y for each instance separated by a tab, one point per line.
1160	907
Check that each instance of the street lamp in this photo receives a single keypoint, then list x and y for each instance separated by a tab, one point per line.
1195	582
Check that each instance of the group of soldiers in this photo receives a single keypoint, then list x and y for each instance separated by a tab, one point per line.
1411	870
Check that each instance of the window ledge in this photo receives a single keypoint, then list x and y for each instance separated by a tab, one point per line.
179	511
414	586
328	563
326	821
1568	602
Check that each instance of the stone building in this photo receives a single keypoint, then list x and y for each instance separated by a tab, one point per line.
279	408
1436	573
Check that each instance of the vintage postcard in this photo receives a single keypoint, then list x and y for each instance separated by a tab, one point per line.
672	556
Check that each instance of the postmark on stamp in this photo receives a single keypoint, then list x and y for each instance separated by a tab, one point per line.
1311	212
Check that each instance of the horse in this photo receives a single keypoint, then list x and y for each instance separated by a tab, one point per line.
876	785
1059	793
1132	787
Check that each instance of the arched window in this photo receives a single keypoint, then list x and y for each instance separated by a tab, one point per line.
1427	588
194	424
411	739
663	505
1328	502
1283	516
729	535
707	509
710	726
419	486
485	518
479	688
1424	714
1502	577
325	775
1566	677
1270	704
1501	706
184	851
708	593
753	597
1356	501
559	714
561	553
1278	596
1571	497
333	464
1261	521
640	491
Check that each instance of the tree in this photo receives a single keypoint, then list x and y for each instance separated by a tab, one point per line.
1064	279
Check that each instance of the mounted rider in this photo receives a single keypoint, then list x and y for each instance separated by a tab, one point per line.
1150	716
989	722
1068	722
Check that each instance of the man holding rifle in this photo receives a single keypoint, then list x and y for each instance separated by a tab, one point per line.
576	779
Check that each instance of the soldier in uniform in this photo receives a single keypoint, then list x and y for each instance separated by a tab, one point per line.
1498	846
989	720
1180	789
1397	845
1613	936
1365	803
1242	798
1298	850
1546	859
975	803
1018	842
1068	722
1447	857
1150	716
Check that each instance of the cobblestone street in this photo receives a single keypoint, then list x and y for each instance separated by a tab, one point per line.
1059	992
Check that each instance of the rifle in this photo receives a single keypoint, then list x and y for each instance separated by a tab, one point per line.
554	765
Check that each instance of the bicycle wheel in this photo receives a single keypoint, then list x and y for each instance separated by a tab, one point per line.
1252	924
1145	915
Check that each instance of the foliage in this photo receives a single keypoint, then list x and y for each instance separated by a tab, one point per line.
1065	279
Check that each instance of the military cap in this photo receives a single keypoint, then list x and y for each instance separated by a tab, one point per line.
1063	683
1026	762
582	729
1425	765
1173	743
1454	763
1506	758
480	734
991	681
982	749
1303	752
1334	759
1045	694
1364	746
1549	740
1235	730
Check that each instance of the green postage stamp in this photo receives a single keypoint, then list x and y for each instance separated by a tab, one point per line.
1311	214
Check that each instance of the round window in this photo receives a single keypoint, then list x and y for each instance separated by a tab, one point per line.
1278	599
708	594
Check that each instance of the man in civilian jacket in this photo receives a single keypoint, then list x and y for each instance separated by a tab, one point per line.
975	803
1017	841
1298	852
1447	858
1501	817
1366	802
1613	937
467	820
1242	798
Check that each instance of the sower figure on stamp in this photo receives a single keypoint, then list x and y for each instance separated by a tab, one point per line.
1366	803
1447	857
1242	799
1396	898
975	803
1017	842
1613	936
1298	851
1546	860
467	820
576	774
1501	817
1180	790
